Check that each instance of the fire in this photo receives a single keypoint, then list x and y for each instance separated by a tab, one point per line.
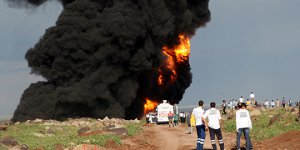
182	51
149	106
175	55
160	77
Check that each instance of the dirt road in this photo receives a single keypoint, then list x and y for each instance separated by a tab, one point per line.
163	137
174	138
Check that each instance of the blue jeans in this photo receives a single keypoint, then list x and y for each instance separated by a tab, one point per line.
246	132
200	136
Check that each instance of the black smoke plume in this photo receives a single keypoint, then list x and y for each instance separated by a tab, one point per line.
102	57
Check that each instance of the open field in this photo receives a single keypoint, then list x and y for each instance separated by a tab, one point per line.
120	134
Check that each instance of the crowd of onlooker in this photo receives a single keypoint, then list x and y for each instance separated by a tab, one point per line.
232	104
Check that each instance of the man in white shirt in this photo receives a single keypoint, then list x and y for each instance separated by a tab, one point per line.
214	118
241	99
252	98
243	125
266	104
198	112
272	104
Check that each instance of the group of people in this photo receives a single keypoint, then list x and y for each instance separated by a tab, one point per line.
252	102
174	119
279	103
233	104
211	119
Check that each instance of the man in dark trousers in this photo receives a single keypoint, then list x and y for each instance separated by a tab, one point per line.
198	112
224	106
214	118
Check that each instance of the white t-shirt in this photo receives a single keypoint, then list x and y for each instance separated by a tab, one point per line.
213	116
181	115
252	96
241	100
266	103
198	112
273	103
243	119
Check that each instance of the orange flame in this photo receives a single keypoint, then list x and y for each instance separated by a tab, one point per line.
149	106
160	77
177	54
182	51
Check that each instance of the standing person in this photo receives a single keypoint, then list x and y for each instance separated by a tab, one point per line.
235	104
277	103
224	107
248	102
243	125
171	117
266	104
230	104
241	99
214	118
283	102
181	117
148	117
184	117
188	122
198	112
252	98
176	118
272	104
290	102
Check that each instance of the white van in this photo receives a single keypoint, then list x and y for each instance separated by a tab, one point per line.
163	110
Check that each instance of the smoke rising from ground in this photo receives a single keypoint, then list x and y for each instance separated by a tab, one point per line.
102	57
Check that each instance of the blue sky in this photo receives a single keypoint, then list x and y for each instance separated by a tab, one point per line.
20	29
247	46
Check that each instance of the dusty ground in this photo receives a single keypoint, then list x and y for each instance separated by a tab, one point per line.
161	137
289	141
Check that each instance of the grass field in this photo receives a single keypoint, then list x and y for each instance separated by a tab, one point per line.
261	130
63	134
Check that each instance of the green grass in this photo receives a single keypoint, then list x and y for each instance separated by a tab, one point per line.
65	135
261	130
135	128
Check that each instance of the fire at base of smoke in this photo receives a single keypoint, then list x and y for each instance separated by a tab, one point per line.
104	58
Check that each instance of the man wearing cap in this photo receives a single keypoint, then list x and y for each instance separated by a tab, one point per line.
243	125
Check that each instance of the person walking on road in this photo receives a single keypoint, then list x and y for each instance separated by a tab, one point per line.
176	118
243	125
214	117
198	112
181	115
188	122
171	117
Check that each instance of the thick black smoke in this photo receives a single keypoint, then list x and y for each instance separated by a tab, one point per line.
102	58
